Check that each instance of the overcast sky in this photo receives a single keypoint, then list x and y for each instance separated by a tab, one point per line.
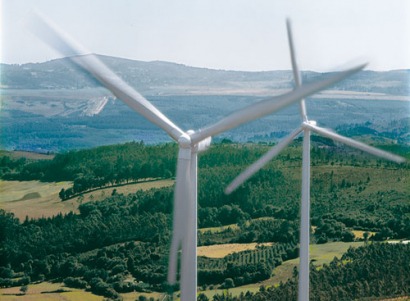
220	34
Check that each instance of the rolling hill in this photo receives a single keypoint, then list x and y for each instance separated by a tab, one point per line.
53	106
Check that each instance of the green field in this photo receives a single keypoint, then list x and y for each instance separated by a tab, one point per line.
37	199
321	254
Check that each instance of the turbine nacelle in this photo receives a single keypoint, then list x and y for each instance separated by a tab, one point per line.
203	145
185	142
308	123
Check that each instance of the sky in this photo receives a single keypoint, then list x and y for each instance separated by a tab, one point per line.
220	34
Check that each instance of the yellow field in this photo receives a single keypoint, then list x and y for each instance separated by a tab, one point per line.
37	199
359	233
33	198
46	291
30	155
220	251
134	296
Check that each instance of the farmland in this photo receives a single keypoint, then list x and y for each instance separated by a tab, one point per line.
48	292
220	251
35	199
114	241
320	254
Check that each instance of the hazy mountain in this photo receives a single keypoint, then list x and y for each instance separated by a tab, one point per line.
54	106
164	77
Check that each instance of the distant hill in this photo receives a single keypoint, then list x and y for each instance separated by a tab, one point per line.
55	106
164	77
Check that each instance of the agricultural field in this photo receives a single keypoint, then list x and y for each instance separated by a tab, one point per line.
320	254
28	155
220	251
119	244
359	234
35	199
47	291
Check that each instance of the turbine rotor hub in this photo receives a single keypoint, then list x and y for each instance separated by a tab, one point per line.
184	141
308	123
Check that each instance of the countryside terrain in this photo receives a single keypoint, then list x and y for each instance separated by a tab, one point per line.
54	107
116	242
87	187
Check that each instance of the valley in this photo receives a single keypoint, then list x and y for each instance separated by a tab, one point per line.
53	106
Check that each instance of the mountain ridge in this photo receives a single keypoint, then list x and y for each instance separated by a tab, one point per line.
153	76
55	106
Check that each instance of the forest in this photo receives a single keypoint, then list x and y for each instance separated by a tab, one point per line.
120	244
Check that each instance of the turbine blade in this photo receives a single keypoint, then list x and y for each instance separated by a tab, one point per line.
257	165
61	42
295	69
356	144
296	72
269	105
181	196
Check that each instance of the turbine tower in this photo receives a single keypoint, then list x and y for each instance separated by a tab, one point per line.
306	127
184	235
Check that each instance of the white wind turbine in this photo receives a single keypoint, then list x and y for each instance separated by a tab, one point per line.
306	127
184	235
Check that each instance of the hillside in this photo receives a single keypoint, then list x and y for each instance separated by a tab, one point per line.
84	219
120	243
164	77
53	106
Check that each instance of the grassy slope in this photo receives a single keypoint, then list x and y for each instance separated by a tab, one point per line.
46	291
33	198
27	155
40	199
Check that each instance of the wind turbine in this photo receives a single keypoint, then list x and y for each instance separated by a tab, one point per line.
306	127
184	234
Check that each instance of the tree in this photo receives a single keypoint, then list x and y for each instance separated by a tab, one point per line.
366	237
62	194
202	297
24	289
228	283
